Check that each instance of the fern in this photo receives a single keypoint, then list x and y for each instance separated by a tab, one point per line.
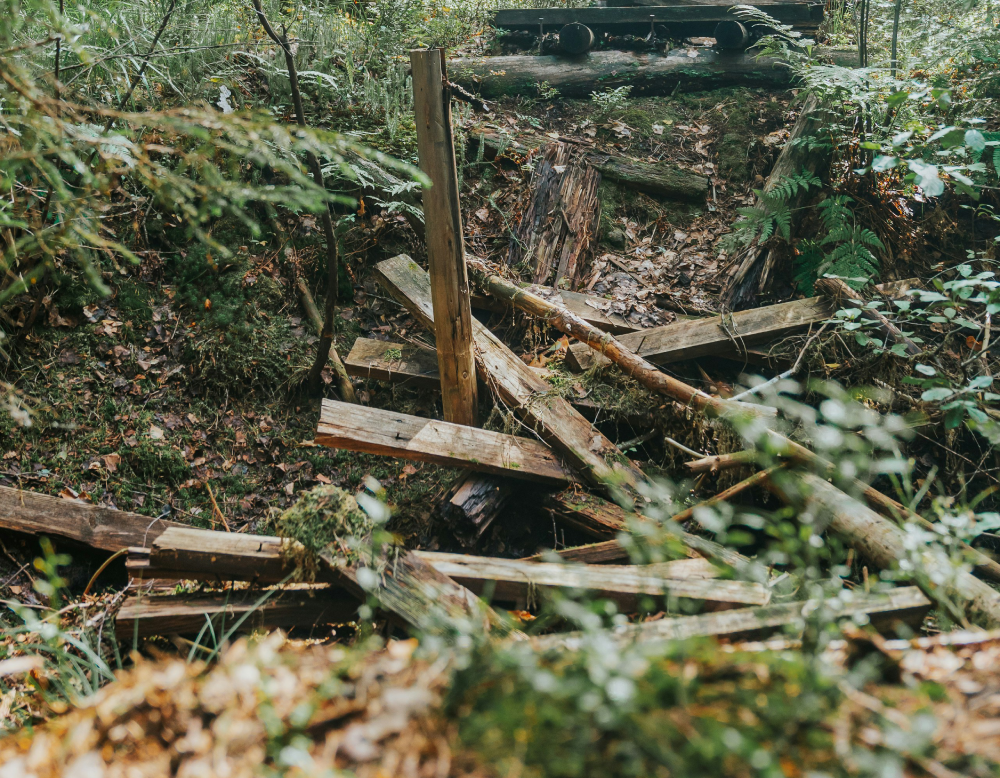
846	251
772	214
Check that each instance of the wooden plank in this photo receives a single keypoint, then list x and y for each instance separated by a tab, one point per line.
186	614
556	421
396	362
512	580
587	306
226	556
528	18
713	335
886	612
443	234
54	517
376	431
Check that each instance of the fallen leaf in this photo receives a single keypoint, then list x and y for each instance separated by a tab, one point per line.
155	432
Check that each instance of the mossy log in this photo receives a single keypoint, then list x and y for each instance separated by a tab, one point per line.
647	74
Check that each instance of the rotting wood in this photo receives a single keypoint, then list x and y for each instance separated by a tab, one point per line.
753	266
556	230
659	179
884	544
511	580
344	385
224	556
905	606
376	431
472	504
716	335
648	73
187	614
444	237
556	421
105	528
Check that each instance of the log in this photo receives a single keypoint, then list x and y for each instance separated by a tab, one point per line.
187	614
443	236
557	422
105	528
654	178
693	19
559	225
884	544
753	267
647	74
886	612
472	504
714	335
374	431
512	580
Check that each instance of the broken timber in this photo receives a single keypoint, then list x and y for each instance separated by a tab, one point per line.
515	580
105	528
648	74
886	612
556	421
188	614
473	502
375	431
654	178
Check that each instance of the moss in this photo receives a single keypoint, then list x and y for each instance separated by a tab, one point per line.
322	517
638	119
157	463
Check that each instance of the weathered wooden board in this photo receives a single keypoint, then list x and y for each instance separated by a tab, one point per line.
212	555
715	335
886	612
187	614
556	421
401	363
375	431
104	528
515	580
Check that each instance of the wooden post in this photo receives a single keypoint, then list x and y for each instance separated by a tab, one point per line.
443	224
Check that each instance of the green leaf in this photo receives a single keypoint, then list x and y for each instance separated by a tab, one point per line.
926	369
974	140
937	394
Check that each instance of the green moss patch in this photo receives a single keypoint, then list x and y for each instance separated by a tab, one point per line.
322	517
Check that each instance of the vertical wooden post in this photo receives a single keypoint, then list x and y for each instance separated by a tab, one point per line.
445	250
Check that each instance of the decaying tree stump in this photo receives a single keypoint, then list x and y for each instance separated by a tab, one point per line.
558	227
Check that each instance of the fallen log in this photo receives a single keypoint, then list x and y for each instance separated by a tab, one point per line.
654	178
374	431
511	580
557	228
647	74
886	612
106	528
473	502
585	449
885	545
187	614
754	265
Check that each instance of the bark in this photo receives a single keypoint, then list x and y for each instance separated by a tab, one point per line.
472	504
647	74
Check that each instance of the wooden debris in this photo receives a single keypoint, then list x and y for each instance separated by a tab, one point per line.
659	179
562	427
472	504
726	334
511	580
886	612
375	431
186	614
884	544
444	236
401	363
648	73
104	528
721	462
556	230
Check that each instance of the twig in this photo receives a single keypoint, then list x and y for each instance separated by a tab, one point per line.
215	507
782	376
638	441
683	448
104	567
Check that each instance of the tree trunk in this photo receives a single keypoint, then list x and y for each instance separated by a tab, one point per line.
647	74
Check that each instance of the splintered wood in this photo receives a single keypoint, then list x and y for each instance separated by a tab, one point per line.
560	223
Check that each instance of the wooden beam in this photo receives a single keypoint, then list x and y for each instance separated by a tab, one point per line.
187	614
886	612
647	73
557	422
512	580
104	528
374	431
212	555
445	251
713	335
